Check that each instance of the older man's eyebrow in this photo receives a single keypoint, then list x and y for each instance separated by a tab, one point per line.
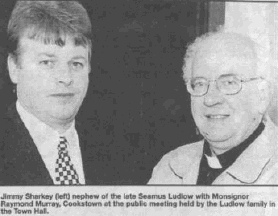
229	74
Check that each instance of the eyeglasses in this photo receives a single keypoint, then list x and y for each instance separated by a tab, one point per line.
228	84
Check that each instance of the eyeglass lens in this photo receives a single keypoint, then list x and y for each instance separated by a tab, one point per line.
227	84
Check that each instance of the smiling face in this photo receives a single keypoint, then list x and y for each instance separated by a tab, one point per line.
226	120
51	80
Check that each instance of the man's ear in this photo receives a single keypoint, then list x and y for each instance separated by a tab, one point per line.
13	69
265	94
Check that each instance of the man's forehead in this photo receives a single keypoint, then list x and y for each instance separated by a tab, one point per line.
40	43
49	37
228	45
225	55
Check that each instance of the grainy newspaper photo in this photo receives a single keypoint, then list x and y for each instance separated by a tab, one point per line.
146	107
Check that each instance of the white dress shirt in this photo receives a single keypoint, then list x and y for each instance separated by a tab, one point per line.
47	139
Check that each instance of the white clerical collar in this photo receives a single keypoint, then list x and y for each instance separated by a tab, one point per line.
213	162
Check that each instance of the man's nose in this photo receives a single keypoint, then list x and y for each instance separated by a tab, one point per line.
213	96
64	75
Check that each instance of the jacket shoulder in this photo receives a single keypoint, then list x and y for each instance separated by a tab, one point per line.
163	172
6	127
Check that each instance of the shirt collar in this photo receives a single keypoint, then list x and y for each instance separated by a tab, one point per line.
44	137
228	158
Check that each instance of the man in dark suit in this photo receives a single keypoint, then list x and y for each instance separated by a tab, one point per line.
49	62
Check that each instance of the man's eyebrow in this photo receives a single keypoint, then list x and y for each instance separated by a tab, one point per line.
79	57
47	54
229	74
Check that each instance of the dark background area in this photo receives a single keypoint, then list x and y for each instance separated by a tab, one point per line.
137	103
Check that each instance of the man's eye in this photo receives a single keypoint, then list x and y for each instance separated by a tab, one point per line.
198	84
230	82
48	63
77	65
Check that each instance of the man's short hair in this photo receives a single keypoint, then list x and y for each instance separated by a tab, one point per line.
50	22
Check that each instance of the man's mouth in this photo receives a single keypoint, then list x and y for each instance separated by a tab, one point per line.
63	96
217	116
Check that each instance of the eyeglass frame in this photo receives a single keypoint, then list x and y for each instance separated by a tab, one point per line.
188	84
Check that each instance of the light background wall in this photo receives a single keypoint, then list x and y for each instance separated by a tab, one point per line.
260	21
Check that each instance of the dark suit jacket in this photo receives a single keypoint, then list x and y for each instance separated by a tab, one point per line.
21	163
108	158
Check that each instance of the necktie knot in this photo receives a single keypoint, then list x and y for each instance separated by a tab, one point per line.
62	147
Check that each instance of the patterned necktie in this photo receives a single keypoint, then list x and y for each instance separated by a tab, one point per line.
65	172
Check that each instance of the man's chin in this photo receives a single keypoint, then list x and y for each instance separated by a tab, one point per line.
63	116
216	137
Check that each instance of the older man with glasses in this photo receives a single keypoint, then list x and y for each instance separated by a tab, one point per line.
230	83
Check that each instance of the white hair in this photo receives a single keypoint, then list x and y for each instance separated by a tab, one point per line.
265	67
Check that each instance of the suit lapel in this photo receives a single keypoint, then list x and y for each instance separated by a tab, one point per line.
186	163
95	157
23	162
85	153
